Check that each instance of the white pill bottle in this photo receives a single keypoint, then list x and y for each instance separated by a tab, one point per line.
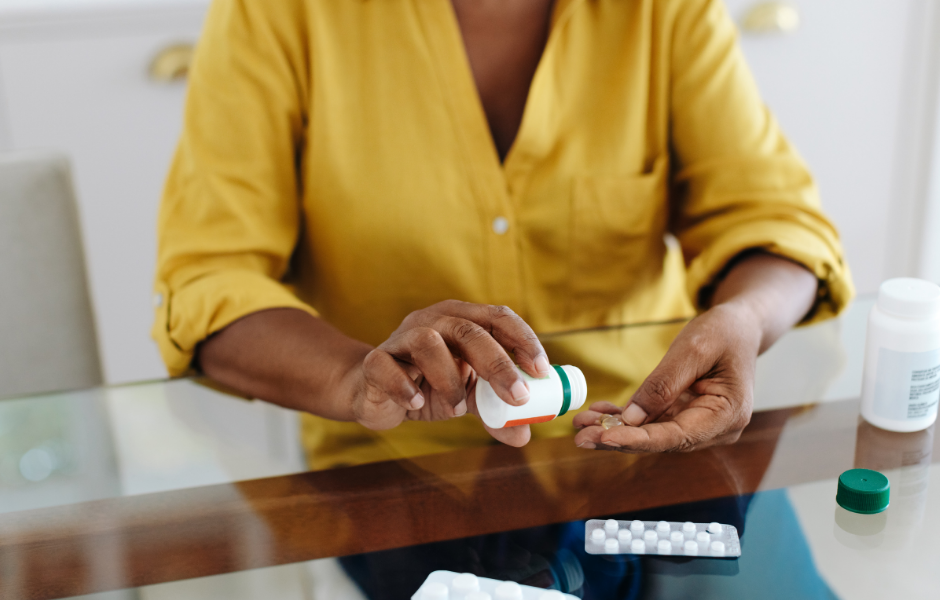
550	397
901	381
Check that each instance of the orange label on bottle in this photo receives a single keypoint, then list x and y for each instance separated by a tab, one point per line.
529	421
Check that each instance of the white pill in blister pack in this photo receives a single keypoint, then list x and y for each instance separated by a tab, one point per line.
434	591
712	540
508	590
447	585
465	583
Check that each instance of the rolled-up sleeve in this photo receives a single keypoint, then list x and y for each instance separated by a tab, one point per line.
739	184
230	214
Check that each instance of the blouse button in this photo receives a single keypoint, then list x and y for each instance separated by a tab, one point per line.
500	225
157	300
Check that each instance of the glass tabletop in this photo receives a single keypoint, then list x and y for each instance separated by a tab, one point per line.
174	489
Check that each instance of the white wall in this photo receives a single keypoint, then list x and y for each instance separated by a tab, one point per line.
81	86
845	87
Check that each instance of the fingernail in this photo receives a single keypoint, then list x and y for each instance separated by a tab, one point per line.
587	445
418	401
611	444
461	409
634	415
519	392
542	365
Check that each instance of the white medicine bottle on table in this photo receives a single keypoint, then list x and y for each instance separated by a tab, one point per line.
550	397
901	381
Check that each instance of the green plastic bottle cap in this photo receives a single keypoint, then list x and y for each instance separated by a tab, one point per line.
863	491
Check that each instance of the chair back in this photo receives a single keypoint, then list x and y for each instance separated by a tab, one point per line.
47	327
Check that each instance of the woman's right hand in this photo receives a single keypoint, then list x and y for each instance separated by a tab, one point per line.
427	369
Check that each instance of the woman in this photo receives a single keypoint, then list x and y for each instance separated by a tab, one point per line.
364	186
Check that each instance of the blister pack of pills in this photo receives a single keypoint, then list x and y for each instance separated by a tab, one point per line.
447	585
712	540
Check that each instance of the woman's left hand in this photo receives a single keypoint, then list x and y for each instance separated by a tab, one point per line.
701	393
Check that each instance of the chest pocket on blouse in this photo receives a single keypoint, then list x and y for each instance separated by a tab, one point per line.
618	222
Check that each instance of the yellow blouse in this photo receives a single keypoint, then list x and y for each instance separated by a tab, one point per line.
336	158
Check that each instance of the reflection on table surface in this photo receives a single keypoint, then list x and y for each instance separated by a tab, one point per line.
173	471
156	436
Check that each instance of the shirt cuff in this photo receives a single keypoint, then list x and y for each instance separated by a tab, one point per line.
787	240
187	315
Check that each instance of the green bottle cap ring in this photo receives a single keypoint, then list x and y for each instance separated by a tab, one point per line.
566	390
863	491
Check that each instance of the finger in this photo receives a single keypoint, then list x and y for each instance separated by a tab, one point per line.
386	374
517	436
507	328
706	418
433	410
427	350
511	436
485	356
467	373
586	418
686	361
593	415
589	437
